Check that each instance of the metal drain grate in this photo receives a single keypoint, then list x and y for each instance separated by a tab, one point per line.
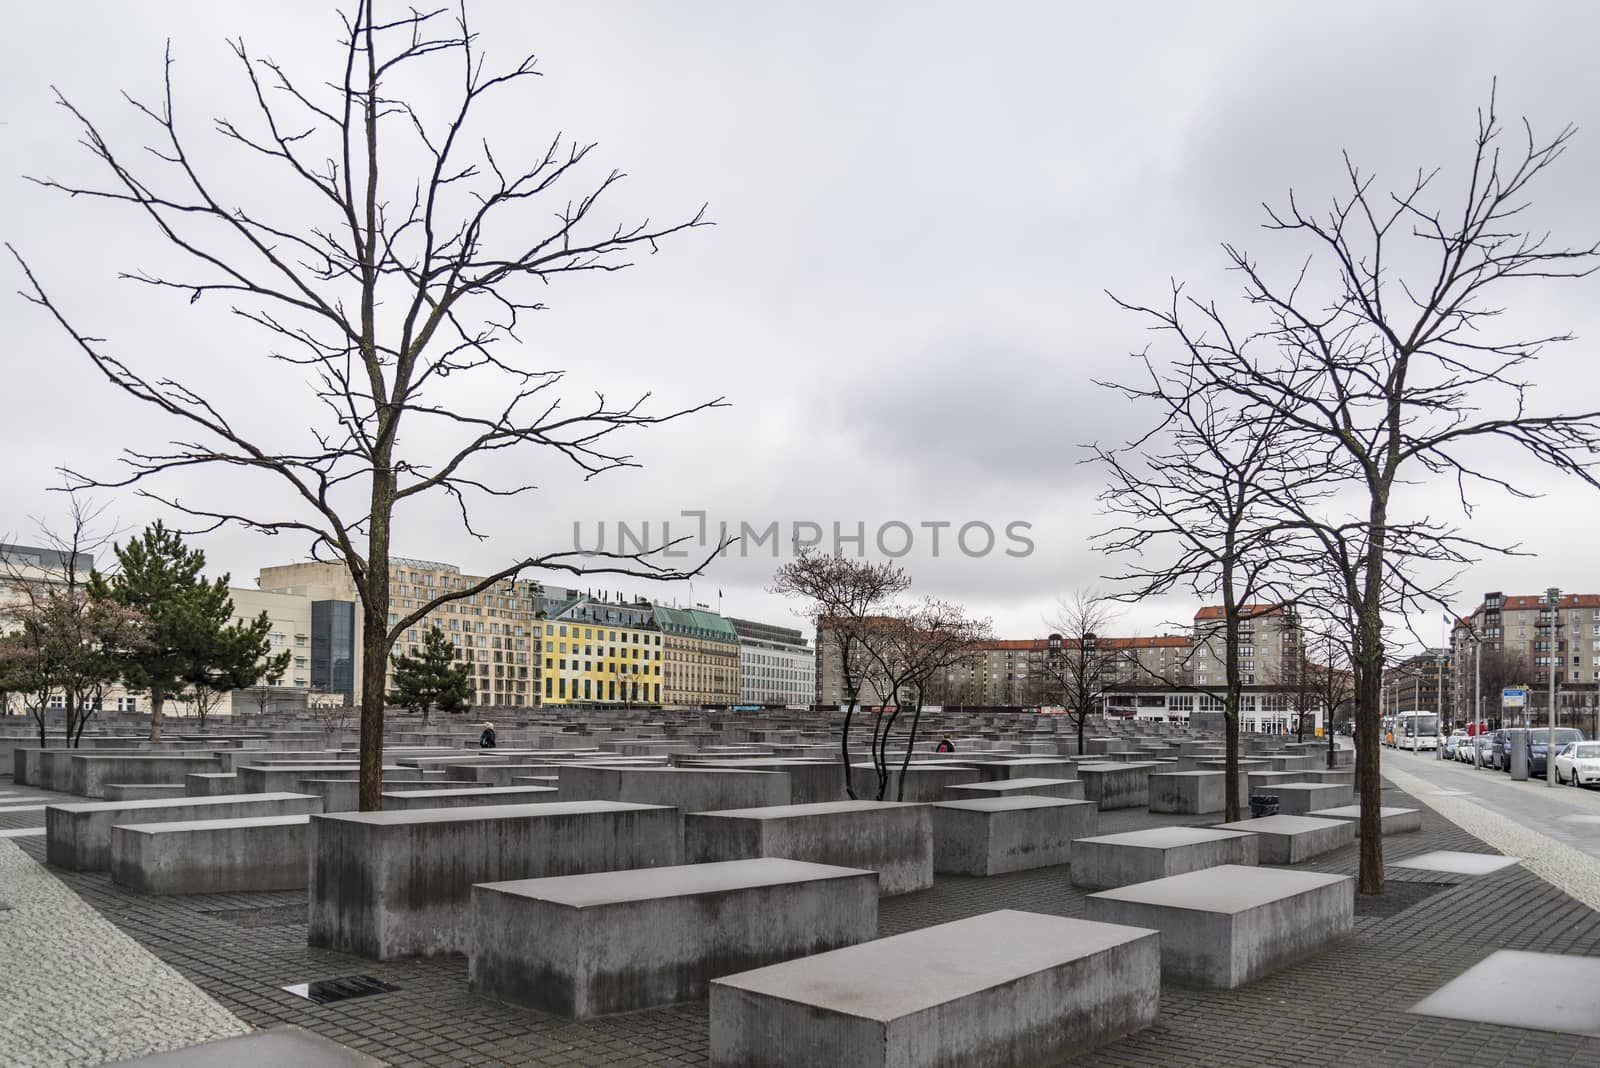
323	991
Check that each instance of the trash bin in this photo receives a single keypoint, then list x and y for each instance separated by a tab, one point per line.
1263	805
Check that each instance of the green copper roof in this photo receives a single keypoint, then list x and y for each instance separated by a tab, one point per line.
695	623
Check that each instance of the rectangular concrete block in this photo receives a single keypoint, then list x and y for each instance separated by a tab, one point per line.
1004	988
1070	789
1192	793
211	784
1228	926
116	791
995	835
1140	856
923	782
88	772
78	836
895	840
403	800
1117	784
1303	798
1027	768
1294	839
391	885
589	945
1393	820
249	855
688	789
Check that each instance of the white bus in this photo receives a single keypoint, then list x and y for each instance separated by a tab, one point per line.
1416	730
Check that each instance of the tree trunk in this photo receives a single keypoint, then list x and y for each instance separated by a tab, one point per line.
374	647
844	749
1230	766
905	762
157	699
1369	685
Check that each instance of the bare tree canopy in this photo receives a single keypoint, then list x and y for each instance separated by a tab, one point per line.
396	271
1386	358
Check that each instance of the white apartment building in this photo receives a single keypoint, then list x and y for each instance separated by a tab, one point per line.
777	665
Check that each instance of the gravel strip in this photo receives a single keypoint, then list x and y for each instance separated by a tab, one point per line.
1571	870
75	990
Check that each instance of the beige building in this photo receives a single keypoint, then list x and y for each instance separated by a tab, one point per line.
1269	645
291	632
494	631
1541	638
701	658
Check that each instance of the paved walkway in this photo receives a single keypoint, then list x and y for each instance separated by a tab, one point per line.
1345	1006
1569	814
76	990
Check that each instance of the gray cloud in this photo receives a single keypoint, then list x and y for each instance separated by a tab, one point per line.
919	206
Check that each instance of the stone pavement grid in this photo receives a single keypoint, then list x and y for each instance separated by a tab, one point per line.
1345	1006
74	989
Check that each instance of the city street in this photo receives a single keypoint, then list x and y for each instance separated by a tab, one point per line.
1569	815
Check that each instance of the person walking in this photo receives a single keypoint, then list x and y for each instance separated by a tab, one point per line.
945	745
487	738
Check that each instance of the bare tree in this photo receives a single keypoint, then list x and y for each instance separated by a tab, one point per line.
911	648
1386	359
1078	665
1501	667
393	269
844	600
1196	501
64	642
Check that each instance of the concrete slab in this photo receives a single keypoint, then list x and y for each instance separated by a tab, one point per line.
588	945
1003	988
79	835
1140	856
389	885
1294	839
1227	926
1541	991
1303	798
1071	789
894	839
1457	863
1188	792
221	856
1118	784
1392	820
995	835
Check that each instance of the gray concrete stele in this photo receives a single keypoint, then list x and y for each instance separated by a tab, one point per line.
1294	839
589	945
1003	988
1227	926
996	835
222	856
894	839
390	885
1140	856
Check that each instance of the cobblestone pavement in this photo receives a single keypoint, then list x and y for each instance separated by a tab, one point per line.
76	990
1345	1007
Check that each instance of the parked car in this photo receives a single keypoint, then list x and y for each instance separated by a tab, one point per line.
1539	746
1500	748
1481	745
1453	744
1579	763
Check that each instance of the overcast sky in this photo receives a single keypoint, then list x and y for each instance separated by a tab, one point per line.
919	207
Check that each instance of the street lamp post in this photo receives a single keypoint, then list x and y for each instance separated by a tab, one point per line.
1552	598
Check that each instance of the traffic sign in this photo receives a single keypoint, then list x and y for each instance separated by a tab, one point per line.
1513	697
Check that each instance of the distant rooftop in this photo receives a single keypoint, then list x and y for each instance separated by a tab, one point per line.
21	556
